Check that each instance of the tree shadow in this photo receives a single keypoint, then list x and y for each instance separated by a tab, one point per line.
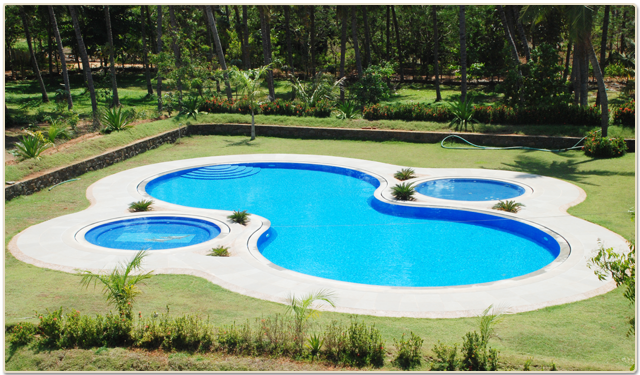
567	169
244	142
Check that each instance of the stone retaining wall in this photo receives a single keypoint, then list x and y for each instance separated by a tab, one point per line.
106	159
379	135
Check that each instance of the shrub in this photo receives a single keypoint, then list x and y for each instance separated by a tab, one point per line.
219	251
140	206
476	356
240	217
190	333
276	336
508	206
625	114
115	120
22	334
405	174
409	355
462	114
322	108
372	88
236	340
446	358
598	147
191	107
50	327
32	145
363	346
403	191
347	110
407	112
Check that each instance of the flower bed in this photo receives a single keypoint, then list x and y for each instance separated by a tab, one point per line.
277	107
625	115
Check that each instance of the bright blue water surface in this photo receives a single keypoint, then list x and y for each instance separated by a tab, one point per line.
326	223
152	233
469	189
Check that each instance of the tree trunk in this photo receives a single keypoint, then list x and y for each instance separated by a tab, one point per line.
287	30
312	39
176	48
575	74
266	49
523	37
114	82
601	89
50	52
463	55
245	51
566	63
216	39
63	62
354	37
159	45
145	52
435	52
153	40
395	25
239	28
87	68
343	47
514	51
603	45
388	34
367	37
584	75
209	38
34	62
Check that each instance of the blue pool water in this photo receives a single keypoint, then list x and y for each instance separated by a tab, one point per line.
469	189
326	223
152	233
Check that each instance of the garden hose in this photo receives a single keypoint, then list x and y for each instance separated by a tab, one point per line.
63	182
574	147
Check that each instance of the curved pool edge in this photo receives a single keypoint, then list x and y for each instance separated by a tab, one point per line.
571	281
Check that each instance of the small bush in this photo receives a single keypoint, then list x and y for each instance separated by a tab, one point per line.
405	174
347	110
527	364
598	147
625	115
219	251
240	217
403	191
409	355
50	327
115	120
476	356
22	334
32	145
363	346
508	206
372	88
191	107
141	205
236	340
446	358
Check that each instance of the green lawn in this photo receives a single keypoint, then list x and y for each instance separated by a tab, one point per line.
586	335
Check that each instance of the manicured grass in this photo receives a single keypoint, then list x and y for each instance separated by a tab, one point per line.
586	335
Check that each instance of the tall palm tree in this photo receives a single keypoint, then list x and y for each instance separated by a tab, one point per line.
159	45
603	44
400	58
266	47
145	53
34	62
367	36
435	52
63	62
354	39
86	67
114	83
216	39
312	38
463	55
523	37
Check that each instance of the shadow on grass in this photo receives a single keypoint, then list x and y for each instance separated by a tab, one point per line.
244	142
567	169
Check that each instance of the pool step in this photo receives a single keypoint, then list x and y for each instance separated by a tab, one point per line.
221	172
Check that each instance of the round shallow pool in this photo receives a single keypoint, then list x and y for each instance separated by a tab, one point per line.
326	222
152	233
469	189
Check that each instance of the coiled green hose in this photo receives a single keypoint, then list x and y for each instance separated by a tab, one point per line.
474	147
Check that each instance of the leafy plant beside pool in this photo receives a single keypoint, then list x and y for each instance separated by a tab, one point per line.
141	205
239	217
403	191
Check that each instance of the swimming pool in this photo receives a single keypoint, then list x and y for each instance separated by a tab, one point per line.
152	233
326	222
469	189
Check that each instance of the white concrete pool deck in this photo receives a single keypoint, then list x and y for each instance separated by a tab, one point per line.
55	244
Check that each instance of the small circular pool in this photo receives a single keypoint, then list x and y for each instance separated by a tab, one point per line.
469	189
152	233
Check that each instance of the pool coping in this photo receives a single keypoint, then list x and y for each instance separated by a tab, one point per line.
52	245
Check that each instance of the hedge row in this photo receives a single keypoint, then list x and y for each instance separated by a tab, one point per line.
278	107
